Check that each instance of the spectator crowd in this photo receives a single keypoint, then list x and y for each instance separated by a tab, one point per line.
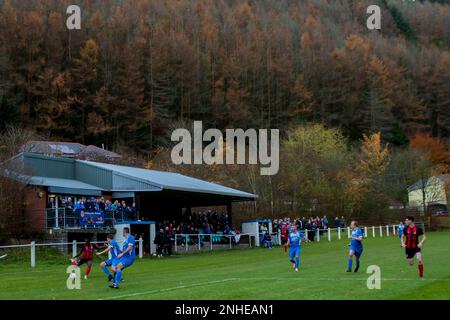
193	228
210	224
307	225
89	212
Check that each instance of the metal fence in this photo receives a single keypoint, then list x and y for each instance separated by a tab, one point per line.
201	242
72	247
62	218
185	243
330	234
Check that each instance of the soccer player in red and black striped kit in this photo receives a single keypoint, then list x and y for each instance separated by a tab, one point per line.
412	243
86	255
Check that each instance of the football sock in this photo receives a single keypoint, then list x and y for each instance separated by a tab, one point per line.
350	262
118	277
357	265
297	261
105	269
285	248
420	266
88	270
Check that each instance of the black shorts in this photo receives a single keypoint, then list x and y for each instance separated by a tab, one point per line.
411	252
82	261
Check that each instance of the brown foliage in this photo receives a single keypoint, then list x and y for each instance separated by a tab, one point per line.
433	149
137	66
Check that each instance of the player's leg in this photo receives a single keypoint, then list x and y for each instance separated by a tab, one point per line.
114	268
80	262
124	263
297	258
420	263
351	253
410	257
104	265
357	256
117	275
88	268
291	256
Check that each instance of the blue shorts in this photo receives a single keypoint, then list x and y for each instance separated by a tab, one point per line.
111	262
357	251
126	261
294	252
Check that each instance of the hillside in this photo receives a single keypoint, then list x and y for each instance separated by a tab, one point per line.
139	68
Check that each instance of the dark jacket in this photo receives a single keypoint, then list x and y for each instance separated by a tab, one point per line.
159	239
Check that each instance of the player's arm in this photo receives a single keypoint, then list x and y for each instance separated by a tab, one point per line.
130	247
403	240
104	251
359	237
302	236
422	240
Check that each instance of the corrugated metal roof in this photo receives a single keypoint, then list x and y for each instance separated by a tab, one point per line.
58	182
53	147
171	180
65	186
68	150
96	176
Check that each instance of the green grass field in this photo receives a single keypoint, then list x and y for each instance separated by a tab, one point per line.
246	274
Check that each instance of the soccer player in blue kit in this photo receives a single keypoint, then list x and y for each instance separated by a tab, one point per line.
114	249
356	247
124	259
294	243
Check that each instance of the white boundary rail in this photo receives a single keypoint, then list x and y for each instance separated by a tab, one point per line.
199	240
32	245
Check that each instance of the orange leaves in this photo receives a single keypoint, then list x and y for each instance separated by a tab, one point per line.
311	22
433	149
355	42
304	98
374	157
89	53
306	41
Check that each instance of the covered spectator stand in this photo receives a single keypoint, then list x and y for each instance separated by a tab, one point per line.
139	229
257	227
56	185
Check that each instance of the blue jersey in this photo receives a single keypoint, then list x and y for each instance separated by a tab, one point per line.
356	244
126	243
401	228
115	249
295	239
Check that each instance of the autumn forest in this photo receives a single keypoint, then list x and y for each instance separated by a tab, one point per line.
365	101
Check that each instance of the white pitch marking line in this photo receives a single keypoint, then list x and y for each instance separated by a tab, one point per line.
169	289
338	279
25	273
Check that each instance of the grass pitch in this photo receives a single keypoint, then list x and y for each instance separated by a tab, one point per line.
245	274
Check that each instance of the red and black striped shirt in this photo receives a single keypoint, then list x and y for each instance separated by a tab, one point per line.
412	236
88	252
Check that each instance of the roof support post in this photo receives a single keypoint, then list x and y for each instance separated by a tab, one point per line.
229	211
